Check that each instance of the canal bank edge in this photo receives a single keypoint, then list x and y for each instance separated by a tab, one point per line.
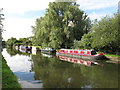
9	80
113	60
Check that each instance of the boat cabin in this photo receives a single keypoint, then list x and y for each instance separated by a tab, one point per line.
79	52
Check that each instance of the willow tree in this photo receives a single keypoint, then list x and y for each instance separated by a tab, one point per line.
63	23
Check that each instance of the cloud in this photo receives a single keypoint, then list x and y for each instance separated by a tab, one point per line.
97	4
97	16
97	9
17	27
22	6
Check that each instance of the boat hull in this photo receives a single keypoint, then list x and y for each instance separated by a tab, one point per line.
48	51
88	57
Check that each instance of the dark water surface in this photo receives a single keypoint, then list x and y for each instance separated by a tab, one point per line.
40	71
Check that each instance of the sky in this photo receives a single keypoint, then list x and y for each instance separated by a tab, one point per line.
20	15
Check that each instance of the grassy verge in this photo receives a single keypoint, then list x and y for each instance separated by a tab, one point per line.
9	80
112	55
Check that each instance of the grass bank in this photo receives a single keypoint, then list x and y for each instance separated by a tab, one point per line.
9	80
112	55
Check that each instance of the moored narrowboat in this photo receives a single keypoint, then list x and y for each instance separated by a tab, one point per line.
24	47
84	54
36	48
48	50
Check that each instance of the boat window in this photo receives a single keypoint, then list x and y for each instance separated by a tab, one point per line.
93	53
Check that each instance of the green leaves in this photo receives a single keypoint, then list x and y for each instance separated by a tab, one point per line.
13	41
104	36
106	32
62	24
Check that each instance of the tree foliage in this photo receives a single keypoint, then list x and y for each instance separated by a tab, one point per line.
104	35
11	41
63	23
22	41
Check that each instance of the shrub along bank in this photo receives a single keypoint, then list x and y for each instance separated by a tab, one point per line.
9	80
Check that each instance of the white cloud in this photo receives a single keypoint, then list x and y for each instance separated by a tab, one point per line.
21	6
17	27
97	16
97	4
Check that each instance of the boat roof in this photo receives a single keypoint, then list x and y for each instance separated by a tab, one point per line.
78	49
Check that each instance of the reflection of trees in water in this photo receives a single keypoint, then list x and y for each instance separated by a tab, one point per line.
101	77
56	73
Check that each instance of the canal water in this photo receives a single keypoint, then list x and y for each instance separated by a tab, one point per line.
44	71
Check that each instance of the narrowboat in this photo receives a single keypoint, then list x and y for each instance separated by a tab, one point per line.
83	54
79	61
26	48
48	50
36	48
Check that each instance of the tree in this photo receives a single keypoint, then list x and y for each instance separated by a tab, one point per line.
22	41
11	41
106	35
85	42
25	41
63	23
88	25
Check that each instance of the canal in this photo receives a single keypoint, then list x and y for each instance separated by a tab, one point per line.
42	71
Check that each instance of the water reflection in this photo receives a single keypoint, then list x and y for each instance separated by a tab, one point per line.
41	71
21	64
48	55
60	74
79	61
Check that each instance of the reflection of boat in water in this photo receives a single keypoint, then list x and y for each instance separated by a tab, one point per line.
84	54
48	55
78	61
